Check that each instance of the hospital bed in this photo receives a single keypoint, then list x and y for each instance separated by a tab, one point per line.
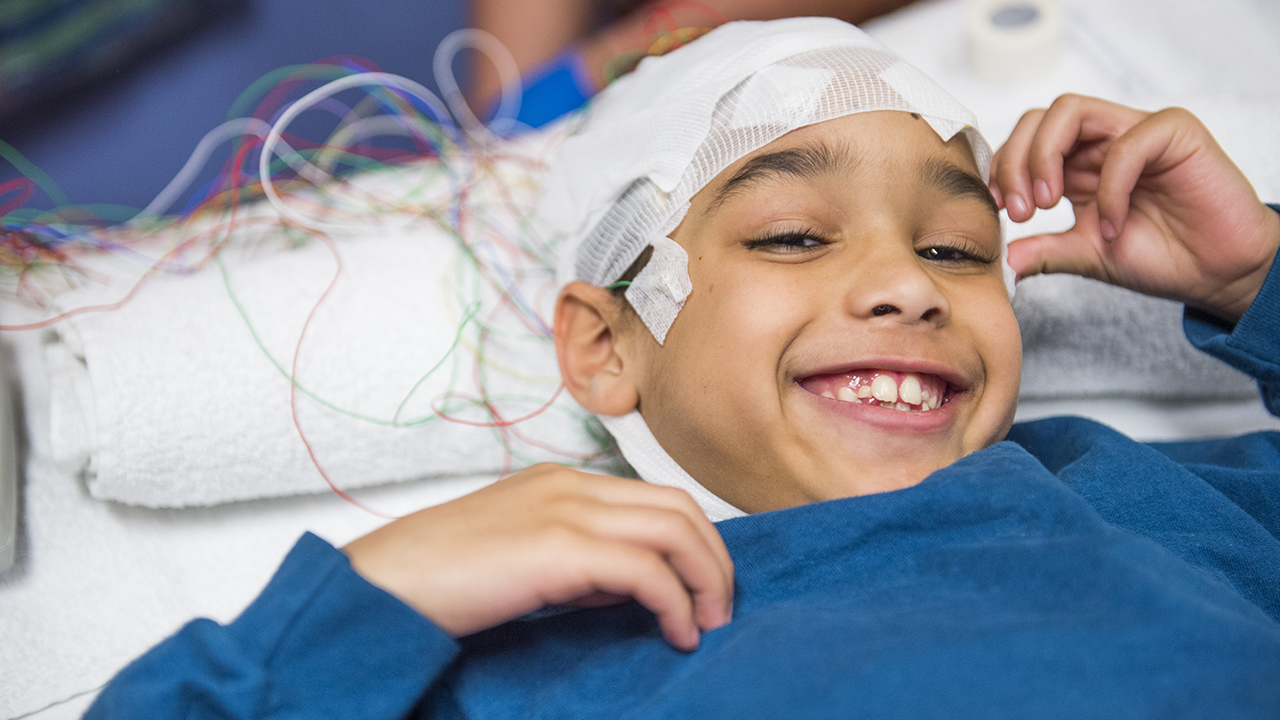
96	582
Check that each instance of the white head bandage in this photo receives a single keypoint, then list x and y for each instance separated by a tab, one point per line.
623	181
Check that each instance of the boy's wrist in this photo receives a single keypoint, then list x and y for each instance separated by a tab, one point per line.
1242	293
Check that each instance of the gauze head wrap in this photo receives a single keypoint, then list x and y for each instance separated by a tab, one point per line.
647	144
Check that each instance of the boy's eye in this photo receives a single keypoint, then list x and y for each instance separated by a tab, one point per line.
787	242
950	254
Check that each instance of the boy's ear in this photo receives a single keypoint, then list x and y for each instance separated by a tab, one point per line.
595	369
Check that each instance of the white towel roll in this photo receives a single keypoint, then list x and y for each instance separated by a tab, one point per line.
170	400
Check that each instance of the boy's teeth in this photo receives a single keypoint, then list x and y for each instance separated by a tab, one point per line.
884	389
909	390
912	394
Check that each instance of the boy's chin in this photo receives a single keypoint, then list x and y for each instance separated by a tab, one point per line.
887	467
839	480
890	476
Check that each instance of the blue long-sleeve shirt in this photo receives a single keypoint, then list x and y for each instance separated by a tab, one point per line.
1066	572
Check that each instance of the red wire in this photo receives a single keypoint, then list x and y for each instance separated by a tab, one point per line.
150	272
293	386
499	422
26	187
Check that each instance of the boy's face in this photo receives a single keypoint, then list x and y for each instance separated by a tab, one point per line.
857	256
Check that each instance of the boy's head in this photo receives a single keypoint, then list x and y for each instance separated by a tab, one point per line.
824	311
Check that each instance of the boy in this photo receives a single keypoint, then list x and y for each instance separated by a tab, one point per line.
822	338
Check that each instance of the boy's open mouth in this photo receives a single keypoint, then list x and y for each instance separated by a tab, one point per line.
907	391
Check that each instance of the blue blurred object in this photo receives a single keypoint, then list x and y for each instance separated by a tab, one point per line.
553	89
121	141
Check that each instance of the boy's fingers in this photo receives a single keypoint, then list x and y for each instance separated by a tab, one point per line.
619	491
620	569
1071	122
996	195
1065	252
1009	170
675	537
629	492
1143	146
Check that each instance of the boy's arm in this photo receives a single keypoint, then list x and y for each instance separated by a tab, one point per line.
1159	206
323	641
319	642
550	535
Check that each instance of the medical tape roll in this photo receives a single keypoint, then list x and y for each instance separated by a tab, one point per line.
1013	41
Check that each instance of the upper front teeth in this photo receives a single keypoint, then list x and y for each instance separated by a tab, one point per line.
884	389
910	394
909	391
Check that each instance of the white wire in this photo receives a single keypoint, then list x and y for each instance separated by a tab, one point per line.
306	169
454	106
215	137
504	121
356	130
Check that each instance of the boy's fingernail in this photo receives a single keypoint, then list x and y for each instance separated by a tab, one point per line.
1016	206
1108	230
1043	199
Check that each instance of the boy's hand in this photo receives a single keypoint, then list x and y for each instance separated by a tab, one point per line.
1159	206
552	536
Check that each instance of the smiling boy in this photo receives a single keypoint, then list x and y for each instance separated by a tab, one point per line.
820	346
864	252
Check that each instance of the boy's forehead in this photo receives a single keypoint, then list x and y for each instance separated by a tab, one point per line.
838	148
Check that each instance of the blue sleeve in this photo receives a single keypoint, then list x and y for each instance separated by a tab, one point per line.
319	642
1253	345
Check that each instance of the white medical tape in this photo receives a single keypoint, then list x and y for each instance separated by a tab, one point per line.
654	465
1013	41
658	291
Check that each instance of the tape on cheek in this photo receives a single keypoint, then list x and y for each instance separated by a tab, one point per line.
658	292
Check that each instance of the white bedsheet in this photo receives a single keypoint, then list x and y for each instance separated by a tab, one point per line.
96	583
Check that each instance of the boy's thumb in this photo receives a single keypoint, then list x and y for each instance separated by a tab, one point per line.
1064	252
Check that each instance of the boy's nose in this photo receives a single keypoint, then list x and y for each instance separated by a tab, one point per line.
895	287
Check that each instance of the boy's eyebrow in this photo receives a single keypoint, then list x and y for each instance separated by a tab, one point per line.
811	161
806	162
957	182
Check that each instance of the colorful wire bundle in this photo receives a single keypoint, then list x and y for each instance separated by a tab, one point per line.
448	170
380	126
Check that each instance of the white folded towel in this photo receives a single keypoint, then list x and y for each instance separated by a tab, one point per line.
170	400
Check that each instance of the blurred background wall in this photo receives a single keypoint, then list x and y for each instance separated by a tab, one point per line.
176	68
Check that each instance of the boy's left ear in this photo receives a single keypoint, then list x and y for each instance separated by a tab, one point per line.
596	367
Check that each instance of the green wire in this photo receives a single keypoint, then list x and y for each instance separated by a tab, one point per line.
474	309
28	168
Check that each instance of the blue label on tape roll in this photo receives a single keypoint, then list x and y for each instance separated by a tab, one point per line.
1013	16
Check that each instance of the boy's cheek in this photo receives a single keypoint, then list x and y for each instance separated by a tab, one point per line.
1003	361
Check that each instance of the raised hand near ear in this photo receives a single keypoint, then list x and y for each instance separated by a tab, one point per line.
1159	206
550	535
